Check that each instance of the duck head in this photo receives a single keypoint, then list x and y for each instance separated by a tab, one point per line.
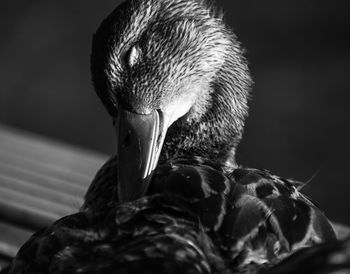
172	76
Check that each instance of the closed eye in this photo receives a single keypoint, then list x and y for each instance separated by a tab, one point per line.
133	56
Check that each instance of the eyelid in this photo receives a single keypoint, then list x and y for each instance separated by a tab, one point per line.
133	56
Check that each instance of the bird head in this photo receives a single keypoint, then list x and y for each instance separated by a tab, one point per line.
172	76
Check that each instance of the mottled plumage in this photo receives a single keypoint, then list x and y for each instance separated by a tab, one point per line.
328	258
196	218
156	234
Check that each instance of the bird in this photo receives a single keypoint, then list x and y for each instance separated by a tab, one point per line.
175	81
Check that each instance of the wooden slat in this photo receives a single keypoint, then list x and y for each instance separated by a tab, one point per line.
31	204
44	166
39	147
30	188
11	238
48	157
40	181
25	216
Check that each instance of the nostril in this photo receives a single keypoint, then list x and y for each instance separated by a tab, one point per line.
128	137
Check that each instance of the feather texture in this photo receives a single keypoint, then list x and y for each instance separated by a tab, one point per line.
196	218
156	234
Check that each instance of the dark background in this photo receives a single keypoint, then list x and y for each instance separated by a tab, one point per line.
299	57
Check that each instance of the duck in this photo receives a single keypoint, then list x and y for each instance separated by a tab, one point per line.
175	81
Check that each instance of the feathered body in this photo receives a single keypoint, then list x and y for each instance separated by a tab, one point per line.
173	71
196	218
152	235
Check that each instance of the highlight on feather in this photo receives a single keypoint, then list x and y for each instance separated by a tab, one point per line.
133	56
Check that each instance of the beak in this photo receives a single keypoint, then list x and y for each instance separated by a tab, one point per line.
140	141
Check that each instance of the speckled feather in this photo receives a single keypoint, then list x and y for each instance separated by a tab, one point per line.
196	218
156	234
327	258
244	205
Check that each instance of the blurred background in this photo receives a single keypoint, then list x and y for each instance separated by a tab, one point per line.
299	56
